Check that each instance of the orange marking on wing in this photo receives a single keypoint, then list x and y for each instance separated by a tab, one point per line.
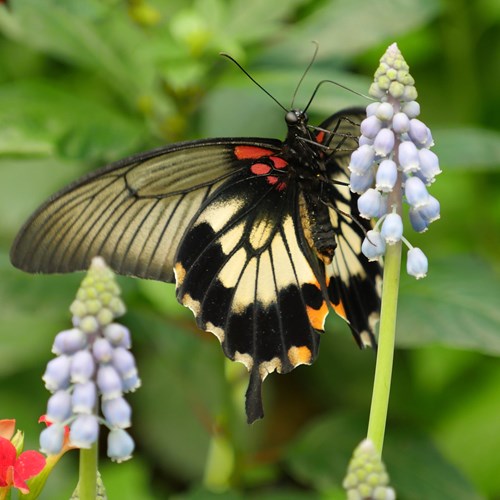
300	355
339	309
317	316
251	152
320	136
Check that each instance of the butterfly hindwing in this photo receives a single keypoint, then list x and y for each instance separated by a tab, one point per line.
242	270
353	283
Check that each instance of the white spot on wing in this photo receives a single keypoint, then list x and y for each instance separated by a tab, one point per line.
260	233
245	359
245	291
218	213
218	332
230	273
231	238
266	292
267	367
192	304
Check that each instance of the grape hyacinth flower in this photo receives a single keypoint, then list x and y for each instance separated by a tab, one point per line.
394	163
366	475
93	363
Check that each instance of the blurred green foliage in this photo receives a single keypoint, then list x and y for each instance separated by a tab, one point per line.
85	82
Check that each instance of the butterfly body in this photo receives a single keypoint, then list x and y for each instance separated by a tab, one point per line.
260	237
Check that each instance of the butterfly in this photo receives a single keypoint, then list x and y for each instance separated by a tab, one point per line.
260	237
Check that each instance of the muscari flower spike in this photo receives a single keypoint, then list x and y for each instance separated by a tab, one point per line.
394	160
366	477
93	365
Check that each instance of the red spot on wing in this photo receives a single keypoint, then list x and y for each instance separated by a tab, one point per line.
278	162
320	136
260	169
251	152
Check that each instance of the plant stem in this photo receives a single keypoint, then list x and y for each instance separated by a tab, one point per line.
87	483
385	353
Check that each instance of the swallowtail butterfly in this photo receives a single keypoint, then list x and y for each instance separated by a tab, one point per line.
260	237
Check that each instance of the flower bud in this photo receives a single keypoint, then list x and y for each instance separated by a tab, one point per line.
387	175
411	109
59	407
120	445
69	341
360	183
84	397
57	373
369	203
429	165
52	439
416	263
102	350
430	211
118	335
124	362
418	223
109	382
385	112
400	123
84	431
384	142
418	132
416	192
370	126
392	228
408	157
117	412
82	366
373	246
361	159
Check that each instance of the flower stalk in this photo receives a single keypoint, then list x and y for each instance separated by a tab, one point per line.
87	482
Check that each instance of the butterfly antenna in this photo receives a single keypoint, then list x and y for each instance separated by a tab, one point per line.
311	62
338	85
227	56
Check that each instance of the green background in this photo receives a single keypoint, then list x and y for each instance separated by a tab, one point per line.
86	82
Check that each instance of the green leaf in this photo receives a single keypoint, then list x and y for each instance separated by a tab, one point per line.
468	147
79	36
347	27
417	470
456	305
468	430
59	120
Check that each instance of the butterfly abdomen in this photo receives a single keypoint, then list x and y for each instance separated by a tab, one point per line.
318	228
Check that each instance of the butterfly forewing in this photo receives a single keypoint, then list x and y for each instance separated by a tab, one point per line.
133	213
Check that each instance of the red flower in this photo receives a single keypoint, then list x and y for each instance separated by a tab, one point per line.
14	471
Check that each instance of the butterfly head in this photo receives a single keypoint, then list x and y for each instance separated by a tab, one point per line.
296	118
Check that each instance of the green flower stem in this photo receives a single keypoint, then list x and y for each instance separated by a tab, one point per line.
87	483
385	353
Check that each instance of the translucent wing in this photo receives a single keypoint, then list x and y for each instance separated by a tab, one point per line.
133	213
